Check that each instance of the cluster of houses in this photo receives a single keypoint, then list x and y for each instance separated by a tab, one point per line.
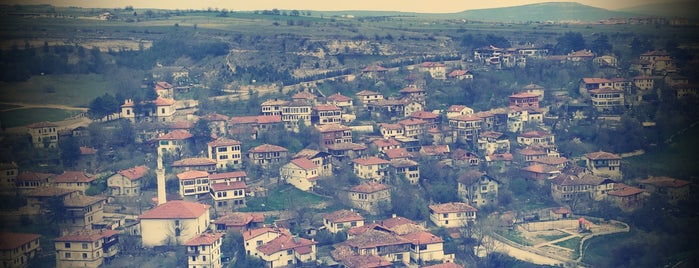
213	185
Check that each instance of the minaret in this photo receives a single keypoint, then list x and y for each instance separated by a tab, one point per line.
160	174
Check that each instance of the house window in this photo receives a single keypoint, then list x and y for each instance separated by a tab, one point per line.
289	252
67	255
66	245
84	245
84	255
177	231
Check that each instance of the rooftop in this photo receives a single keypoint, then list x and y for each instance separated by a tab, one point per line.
134	173
452	207
176	209
9	241
343	215
370	187
71	176
204	239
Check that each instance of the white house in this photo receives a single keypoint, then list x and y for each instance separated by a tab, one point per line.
204	250
454	214
300	172
342	220
173	223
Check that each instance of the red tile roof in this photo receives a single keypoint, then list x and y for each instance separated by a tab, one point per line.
326	107
214	117
286	242
204	239
390	126
42	124
386	142
367	93
87	235
34	176
252	233
551	160
10	241
524	95
502	157
411	90
87	150
339	97
467	117
346	146
304	163
595	80
176	209
491	134
397	153
423	238
225	186
452	207
424	115
82	200
223	142
240	218
163	85
74	176
561	210
396	221
622	190
266	148
195	161
602	156
192	174
374	68
570	179
456	73
332	128
370	187
373	238
303	95
343	215
371	160
134	173
163	102
177	134
268	119
227	175
49	191
535	134
273	102
664	182
456	108
403	163
411	122
606	90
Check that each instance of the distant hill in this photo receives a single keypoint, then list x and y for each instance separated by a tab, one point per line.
551	11
683	9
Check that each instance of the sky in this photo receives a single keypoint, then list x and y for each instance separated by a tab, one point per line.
422	6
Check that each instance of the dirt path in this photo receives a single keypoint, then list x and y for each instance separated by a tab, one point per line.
524	255
34	105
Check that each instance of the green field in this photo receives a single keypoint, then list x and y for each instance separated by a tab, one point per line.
22	117
676	159
284	197
71	90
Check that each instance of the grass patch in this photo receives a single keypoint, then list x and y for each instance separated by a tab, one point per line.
514	236
22	117
284	197
573	243
598	249
679	158
71	90
552	237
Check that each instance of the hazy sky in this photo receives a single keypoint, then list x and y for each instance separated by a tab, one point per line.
425	6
